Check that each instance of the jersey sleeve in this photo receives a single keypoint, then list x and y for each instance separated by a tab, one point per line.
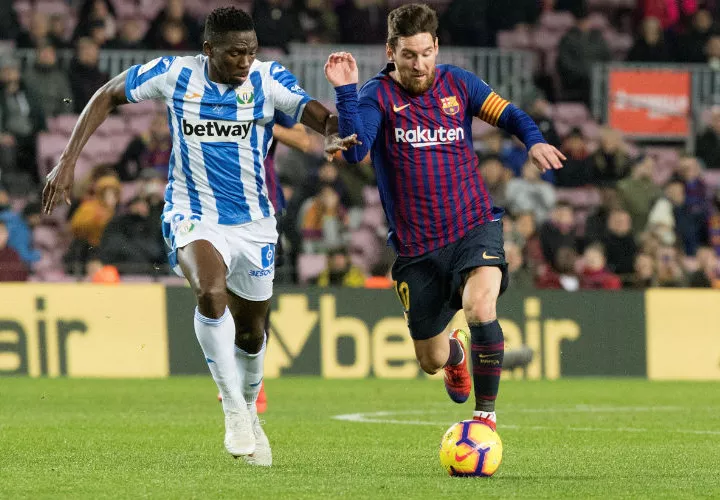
284	120
358	114
493	109
289	96
148	81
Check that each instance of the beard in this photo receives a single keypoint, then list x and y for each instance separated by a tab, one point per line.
415	86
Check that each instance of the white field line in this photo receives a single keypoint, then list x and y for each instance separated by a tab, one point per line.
380	417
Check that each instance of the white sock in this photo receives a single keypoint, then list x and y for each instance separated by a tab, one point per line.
250	367
489	415
217	339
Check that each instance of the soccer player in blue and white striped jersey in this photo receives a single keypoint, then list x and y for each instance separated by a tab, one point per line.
218	220
415	118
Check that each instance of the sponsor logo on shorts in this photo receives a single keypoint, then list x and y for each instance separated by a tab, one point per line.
267	257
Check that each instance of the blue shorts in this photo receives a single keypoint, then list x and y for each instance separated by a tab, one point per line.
429	285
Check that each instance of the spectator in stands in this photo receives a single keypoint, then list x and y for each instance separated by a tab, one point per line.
363	21
175	11
712	49
130	36
714	223
12	267
638	192
706	275
530	193
89	220
611	162
21	118
597	221
707	146
58	31
340	271
496	178
464	23
595	275
578	50
174	37
98	34
669	13
48	81
691	45
85	75
19	230
689	171
519	14
512	154
380	271
354	179
132	242
669	272
576	171
318	20
538	108
619	243
38	33
520	276
276	23
671	220
93	13
559	231
562	274
643	272
327	173
324	221
152	188
650	46
526	227
9	22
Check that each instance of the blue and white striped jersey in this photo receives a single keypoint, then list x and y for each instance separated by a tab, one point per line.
221	133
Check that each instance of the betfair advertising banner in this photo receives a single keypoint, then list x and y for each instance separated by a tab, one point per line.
83	330
87	330
349	333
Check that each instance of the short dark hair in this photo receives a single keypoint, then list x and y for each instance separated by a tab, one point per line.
225	19
409	20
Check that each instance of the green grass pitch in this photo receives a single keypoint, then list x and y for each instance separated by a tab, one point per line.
597	438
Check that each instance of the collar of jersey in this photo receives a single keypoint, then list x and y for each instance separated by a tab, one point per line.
214	86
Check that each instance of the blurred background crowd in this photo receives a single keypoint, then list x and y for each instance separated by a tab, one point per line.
619	215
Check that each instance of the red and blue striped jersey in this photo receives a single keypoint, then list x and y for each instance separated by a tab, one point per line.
422	150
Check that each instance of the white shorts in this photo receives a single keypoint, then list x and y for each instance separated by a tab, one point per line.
248	250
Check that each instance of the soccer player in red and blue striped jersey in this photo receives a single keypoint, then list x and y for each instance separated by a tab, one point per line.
415	119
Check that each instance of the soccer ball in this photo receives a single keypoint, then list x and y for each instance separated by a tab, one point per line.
471	448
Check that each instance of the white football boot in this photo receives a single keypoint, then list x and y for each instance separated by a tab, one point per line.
239	435
262	455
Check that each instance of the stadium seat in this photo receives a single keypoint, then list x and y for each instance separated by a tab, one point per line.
371	196
544	39
49	148
310	266
712	179
516	39
62	124
557	21
581	197
573	113
374	217
46	238
112	127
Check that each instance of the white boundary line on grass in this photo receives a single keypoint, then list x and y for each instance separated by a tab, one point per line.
380	417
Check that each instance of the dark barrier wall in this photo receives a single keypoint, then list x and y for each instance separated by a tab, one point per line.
358	333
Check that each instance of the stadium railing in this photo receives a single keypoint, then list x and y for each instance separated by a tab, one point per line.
509	72
704	93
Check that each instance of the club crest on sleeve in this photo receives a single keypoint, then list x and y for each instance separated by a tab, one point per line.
450	105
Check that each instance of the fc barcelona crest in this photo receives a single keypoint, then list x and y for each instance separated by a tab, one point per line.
245	97
450	105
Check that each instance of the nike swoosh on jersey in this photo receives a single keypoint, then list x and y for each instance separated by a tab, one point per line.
489	257
194	95
399	108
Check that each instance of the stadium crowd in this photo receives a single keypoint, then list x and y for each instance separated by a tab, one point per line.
619	215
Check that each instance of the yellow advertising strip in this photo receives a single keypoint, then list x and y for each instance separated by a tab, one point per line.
683	334
83	330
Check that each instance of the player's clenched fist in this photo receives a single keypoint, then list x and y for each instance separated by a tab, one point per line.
341	69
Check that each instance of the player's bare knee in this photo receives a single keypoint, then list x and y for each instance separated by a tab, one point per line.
212	300
480	306
431	362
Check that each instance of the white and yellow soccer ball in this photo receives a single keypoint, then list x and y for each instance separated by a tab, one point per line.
471	449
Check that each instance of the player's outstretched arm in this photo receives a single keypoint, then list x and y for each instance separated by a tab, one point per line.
60	179
355	117
295	137
318	117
